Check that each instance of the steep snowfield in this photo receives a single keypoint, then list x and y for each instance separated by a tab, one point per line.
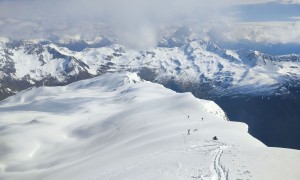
117	126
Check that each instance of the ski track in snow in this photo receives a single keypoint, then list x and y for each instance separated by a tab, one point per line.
218	171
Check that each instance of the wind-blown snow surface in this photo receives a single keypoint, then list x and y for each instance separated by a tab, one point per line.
117	126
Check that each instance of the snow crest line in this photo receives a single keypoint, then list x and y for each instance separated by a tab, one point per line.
218	171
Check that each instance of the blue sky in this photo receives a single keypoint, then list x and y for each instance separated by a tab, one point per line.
269	12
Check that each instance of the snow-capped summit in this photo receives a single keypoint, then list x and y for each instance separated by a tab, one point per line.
117	126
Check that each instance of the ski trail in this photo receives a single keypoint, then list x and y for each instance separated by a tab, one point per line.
218	170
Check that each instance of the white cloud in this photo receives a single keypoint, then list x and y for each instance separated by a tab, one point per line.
254	1
290	1
269	32
136	23
268	1
295	18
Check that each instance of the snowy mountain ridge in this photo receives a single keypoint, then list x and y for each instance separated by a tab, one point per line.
24	64
118	126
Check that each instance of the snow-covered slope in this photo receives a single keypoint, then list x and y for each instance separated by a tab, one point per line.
192	63
118	126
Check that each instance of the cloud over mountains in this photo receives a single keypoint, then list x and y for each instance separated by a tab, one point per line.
137	23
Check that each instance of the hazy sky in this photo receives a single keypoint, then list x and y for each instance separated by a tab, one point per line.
142	21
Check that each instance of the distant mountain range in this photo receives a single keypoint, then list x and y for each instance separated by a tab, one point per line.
184	64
